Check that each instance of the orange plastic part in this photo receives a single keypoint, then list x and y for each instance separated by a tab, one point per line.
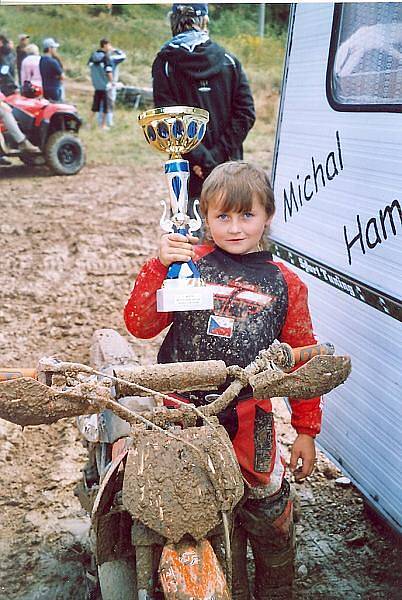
15	373
191	571
305	353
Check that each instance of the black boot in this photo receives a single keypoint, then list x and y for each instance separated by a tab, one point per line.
274	570
269	525
240	587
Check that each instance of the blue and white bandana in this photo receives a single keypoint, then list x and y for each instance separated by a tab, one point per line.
188	39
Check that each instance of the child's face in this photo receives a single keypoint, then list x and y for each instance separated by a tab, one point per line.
237	232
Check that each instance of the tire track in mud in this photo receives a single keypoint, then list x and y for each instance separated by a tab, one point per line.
71	248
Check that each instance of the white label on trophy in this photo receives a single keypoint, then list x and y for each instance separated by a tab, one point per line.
189	298
220	326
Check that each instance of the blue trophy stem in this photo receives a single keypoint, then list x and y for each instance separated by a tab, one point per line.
177	172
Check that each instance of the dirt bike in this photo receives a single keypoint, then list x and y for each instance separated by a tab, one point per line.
52	127
167	480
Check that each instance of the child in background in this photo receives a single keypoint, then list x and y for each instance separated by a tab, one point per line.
256	301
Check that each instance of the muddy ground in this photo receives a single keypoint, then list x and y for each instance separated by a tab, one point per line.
70	248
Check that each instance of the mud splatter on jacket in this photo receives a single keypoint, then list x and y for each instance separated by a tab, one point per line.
256	300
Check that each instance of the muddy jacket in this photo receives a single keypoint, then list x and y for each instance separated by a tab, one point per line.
255	301
206	76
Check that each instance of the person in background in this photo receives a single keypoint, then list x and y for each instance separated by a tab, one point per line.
30	70
101	70
192	70
116	57
62	88
7	66
23	41
51	71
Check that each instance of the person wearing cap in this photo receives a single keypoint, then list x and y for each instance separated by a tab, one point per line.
51	71
101	70
192	70
23	41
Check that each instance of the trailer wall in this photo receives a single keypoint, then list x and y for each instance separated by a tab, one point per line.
338	187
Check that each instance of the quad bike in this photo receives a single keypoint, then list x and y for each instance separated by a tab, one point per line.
53	128
167	481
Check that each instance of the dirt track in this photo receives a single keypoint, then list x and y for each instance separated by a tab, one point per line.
70	250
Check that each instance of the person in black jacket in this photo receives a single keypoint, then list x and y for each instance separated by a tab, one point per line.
192	70
7	67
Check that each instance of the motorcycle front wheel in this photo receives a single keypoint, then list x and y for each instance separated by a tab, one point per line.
117	580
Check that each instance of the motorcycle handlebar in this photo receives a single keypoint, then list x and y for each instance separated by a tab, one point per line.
87	397
301	354
286	359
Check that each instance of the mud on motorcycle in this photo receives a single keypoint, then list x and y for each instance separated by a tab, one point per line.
166	482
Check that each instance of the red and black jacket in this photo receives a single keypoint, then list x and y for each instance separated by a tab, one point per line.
256	301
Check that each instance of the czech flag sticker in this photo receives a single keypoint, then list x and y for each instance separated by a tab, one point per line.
220	326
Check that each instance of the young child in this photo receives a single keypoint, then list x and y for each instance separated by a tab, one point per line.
256	301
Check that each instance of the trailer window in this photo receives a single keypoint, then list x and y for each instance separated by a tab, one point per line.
365	64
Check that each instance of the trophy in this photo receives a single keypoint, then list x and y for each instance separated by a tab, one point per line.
177	130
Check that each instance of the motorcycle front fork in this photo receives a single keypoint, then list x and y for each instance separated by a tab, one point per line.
103	456
148	549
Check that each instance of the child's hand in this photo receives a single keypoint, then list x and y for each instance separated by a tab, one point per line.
174	247
303	448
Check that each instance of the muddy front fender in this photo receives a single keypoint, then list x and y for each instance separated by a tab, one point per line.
181	485
111	528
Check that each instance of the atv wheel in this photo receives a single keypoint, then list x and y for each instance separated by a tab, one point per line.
32	160
64	153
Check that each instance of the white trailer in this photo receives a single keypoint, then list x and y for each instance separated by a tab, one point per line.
338	184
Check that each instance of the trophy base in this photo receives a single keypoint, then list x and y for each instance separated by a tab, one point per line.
184	294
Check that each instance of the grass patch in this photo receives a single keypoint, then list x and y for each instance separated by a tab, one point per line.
141	29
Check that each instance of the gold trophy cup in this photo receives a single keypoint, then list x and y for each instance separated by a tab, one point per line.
176	130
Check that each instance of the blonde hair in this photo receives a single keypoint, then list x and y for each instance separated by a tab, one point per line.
234	185
32	49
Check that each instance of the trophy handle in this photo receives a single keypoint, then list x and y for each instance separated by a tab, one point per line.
166	224
195	224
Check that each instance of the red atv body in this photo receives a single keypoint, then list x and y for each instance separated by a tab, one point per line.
53	128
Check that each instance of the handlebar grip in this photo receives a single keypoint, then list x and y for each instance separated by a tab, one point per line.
305	353
15	373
